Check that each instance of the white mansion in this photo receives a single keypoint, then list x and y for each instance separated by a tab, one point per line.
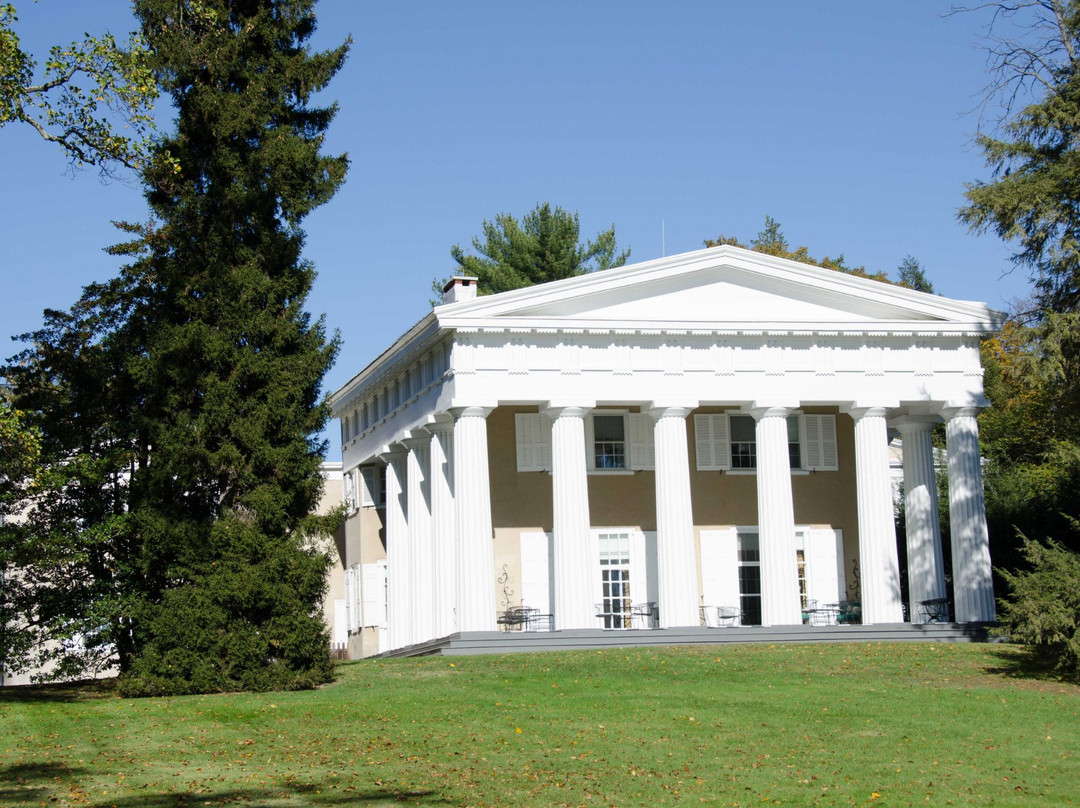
660	443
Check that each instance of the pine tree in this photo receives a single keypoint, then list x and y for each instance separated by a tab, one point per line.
544	246
232	364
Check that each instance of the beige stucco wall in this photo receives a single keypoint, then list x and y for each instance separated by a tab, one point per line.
365	544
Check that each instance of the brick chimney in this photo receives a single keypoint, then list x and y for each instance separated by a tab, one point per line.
459	288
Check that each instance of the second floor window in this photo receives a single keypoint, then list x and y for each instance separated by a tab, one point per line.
609	441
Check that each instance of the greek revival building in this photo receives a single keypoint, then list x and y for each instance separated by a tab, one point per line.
699	438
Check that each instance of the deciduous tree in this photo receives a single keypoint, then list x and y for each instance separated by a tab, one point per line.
93	98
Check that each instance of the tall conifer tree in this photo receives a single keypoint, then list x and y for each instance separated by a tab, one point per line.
177	403
232	365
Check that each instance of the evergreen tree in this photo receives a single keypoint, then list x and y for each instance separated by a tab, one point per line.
544	246
197	373
913	276
1031	434
233	364
772	241
1034	198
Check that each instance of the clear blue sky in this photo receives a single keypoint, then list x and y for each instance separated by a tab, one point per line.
845	121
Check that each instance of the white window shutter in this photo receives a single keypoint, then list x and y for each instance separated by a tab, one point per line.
820	438
532	434
368	479
719	571
350	619
357	599
652	572
642	442
348	490
536	581
545	441
711	442
825	565
374	582
590	444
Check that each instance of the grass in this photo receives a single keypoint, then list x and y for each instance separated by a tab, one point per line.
848	724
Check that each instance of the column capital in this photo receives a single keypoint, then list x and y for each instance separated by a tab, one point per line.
914	423
674	408
417	439
772	407
391	451
873	408
574	409
439	422
459	411
954	409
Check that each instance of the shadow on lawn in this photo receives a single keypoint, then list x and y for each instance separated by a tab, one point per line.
60	692
42	783
1023	662
296	793
33	783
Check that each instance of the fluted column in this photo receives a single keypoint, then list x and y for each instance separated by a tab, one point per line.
973	585
443	526
676	559
472	490
780	605
418	501
925	566
398	556
572	563
878	560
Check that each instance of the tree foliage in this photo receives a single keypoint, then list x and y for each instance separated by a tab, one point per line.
93	98
1043	605
772	241
1033	200
545	245
178	401
1030	434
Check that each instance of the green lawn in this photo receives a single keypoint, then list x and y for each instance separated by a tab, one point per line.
867	724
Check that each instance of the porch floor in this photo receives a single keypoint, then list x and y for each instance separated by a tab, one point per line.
510	642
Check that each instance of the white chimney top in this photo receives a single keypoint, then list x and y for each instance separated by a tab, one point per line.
459	288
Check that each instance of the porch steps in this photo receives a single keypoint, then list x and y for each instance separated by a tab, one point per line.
512	642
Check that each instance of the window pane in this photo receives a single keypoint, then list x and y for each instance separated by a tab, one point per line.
793	428
750	580
748	547
743	429
608	427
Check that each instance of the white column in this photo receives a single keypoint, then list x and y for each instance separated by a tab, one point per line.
418	500
676	558
443	527
973	585
925	566
878	560
573	563
780	604
398	561
472	494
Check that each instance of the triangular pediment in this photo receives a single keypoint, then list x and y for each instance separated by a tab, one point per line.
724	287
720	295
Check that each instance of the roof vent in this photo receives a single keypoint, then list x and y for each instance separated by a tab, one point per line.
459	288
